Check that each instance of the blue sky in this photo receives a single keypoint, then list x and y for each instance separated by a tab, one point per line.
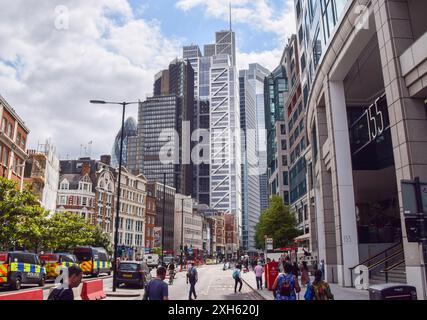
111	50
197	25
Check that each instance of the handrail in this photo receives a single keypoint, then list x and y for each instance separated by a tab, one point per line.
377	255
393	267
385	259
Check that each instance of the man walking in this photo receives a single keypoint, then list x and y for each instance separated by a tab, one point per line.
237	276
259	270
192	277
157	289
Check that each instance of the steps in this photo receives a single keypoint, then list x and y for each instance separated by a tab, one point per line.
397	275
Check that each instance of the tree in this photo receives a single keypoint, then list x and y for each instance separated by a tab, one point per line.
22	219
102	239
277	223
66	230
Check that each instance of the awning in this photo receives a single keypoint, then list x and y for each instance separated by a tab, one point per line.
302	238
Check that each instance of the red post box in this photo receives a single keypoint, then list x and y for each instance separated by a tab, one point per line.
271	273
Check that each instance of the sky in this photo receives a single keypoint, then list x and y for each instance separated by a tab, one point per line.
57	55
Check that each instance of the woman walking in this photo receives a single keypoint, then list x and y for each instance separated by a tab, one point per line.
305	278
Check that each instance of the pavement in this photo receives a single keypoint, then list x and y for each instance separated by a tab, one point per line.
340	293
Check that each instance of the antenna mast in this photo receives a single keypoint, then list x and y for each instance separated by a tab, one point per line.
230	18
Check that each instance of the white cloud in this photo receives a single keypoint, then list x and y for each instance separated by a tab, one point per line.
268	59
105	54
260	15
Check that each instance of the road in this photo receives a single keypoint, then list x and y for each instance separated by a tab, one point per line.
213	284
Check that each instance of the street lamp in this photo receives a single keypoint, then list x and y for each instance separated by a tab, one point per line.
116	235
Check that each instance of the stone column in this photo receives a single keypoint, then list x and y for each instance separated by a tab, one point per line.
408	119
342	182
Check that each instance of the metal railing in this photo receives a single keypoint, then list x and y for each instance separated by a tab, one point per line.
384	258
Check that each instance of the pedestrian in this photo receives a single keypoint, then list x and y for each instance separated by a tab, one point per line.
315	265
65	290
192	278
157	289
322	268
237	276
259	271
321	289
295	270
286	286
305	278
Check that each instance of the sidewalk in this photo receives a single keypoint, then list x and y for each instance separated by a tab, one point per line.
339	293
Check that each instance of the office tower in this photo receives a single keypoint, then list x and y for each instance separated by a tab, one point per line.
192	54
130	130
209	50
276	86
225	170
256	76
251	209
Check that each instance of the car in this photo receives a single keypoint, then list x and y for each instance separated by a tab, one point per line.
168	260
133	273
210	261
18	268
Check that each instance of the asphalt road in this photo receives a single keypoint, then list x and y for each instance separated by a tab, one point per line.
213	284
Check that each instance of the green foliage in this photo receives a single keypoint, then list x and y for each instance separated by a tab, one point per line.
157	251
65	231
25	224
276	222
102	239
22	219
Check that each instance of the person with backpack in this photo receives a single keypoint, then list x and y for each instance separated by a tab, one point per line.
192	278
65	290
321	289
237	276
286	285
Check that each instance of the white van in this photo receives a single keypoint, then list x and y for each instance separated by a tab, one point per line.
152	260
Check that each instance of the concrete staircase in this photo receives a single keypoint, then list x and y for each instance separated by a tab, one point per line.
397	275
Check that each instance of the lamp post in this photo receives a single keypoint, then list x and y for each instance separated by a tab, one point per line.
117	221
182	233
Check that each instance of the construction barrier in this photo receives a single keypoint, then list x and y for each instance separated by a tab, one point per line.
93	290
25	295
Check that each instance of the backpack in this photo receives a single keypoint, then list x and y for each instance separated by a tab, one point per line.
235	274
287	286
321	291
309	294
56	294
192	275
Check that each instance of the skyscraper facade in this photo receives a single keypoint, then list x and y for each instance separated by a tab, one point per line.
130	130
256	77
225	152
276	88
250	165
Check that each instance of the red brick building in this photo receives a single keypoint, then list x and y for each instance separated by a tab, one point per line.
150	220
13	143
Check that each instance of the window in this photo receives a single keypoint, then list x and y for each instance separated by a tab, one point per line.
283	129
84	201
317	48
63	200
285	178
3	125
9	130
284	146
284	161
6	156
18	139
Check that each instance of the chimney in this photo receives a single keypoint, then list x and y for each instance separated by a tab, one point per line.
106	159
85	168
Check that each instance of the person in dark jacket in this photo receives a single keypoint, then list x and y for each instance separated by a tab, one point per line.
65	290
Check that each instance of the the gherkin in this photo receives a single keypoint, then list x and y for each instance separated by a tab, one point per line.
130	130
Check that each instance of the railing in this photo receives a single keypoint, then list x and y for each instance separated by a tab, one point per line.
383	258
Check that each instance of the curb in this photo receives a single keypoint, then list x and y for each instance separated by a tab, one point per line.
122	295
256	291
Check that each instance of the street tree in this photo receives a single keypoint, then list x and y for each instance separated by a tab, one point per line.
277	223
22	219
66	230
